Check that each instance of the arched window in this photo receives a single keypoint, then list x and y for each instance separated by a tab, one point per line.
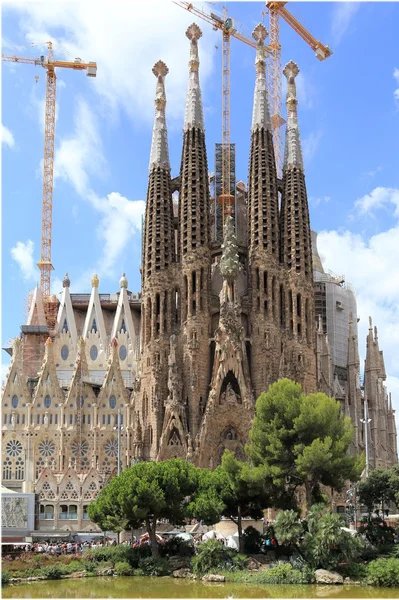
7	469
64	352
47	401
39	466
46	512
19	469
85	516
112	402
122	352
14	401
93	352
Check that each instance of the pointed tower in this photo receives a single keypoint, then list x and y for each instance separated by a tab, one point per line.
158	277
194	251
296	247
263	254
353	390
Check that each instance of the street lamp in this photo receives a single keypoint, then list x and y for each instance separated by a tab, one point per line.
366	422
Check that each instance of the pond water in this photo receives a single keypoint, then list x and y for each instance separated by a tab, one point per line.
167	587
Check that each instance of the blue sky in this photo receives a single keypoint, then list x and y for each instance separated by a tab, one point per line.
349	120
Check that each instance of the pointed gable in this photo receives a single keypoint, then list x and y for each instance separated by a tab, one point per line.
123	329
113	381
15	381
94	332
48	383
65	319
36	311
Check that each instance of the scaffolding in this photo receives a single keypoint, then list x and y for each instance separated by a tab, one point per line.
223	203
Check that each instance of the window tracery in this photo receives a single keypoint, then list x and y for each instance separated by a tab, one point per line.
111	448
47	448
14	448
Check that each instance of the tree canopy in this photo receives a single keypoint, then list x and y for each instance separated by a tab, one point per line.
144	493
302	440
380	489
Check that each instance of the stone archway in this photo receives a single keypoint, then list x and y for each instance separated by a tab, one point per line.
230	391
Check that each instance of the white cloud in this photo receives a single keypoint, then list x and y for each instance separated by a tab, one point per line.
7	137
372	173
343	13
310	145
121	220
378	197
306	91
80	154
134	35
22	253
371	265
396	92
320	200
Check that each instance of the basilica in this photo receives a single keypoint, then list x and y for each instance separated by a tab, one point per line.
175	370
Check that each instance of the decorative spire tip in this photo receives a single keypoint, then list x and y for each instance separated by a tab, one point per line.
291	70
193	32
160	69
260	33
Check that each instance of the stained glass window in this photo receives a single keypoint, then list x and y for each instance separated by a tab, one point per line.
14	401
111	448
47	448
112	402
64	352
122	353
93	352
80	449
47	401
14	448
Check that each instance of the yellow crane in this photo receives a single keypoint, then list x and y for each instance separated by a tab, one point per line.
226	25
276	10
50	64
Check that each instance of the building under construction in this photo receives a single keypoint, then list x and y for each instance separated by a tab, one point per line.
175	370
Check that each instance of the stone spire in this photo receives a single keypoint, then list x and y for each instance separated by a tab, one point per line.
261	112
262	178
293	150
158	247
295	235
159	148
194	114
194	191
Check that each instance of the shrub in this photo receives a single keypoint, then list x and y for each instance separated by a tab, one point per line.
53	571
354	570
89	565
212	555
176	547
377	532
138	573
285	573
384	572
112	554
5	577
288	527
253	541
154	567
123	568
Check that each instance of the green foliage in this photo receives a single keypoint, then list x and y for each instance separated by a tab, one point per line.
357	571
145	492
138	573
325	544
154	567
380	487
288	527
253	541
214	556
300	439
111	554
377	532
284	573
53	571
384	572
123	568
5	577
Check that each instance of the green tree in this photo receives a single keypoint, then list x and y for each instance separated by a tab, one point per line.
144	493
302	440
376	490
233	490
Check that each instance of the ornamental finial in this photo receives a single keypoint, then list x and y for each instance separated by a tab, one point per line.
95	282
293	151
159	148
66	281
123	283
194	114
261	111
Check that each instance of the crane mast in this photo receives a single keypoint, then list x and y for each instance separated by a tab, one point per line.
45	264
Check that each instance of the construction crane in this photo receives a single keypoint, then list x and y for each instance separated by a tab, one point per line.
273	50
226	26
49	63
276	10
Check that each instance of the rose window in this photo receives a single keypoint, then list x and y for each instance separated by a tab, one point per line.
80	449
111	448
47	448
14	448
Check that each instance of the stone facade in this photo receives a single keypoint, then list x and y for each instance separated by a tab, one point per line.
175	371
